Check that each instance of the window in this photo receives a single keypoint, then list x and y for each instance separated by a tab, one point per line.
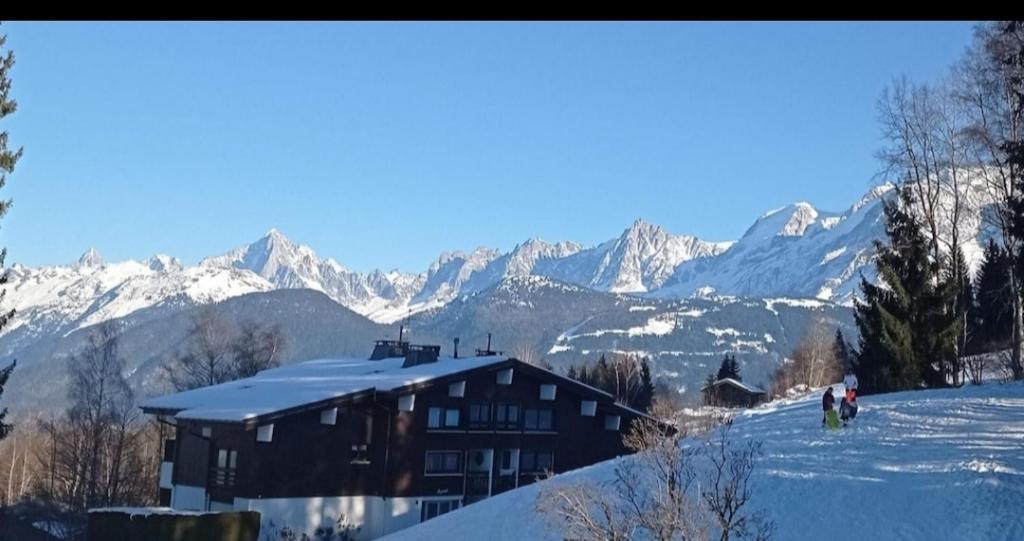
547	391
509	461
265	433
227	458
480	415
537	419
442	418
588	408
505	377
360	453
533	461
611	422
329	416
506	416
432	509
457	389
443	463
227	463
406	402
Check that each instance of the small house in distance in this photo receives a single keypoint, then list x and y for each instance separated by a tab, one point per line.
384	442
735	394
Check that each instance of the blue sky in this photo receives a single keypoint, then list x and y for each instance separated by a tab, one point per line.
382	145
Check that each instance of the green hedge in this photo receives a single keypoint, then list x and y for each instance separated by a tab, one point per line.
125	526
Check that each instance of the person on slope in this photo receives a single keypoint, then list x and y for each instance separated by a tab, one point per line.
847	410
826	405
850	382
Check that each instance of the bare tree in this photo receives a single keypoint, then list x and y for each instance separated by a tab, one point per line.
654	493
985	90
218	350
208	357
95	453
814	362
18	473
530	355
256	348
911	121
727	489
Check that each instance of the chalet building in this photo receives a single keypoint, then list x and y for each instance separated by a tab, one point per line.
387	442
736	394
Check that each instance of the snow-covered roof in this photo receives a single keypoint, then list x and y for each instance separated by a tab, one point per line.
740	384
305	383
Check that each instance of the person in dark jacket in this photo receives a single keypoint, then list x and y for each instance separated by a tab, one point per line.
826	403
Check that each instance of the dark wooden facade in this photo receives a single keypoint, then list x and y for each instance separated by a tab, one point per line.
374	449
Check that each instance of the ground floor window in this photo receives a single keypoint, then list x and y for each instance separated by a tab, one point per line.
434	508
443	462
532	461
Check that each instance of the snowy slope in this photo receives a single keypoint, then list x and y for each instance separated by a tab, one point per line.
930	465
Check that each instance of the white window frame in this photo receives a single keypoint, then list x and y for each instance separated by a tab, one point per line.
504	377
265	433
407	402
329	416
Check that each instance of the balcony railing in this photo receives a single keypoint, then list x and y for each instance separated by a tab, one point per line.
222	477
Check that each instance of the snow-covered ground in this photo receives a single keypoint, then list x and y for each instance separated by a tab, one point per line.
934	465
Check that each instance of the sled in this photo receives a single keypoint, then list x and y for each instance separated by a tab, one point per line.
832	420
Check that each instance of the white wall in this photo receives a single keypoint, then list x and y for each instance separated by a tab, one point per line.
374	515
188	498
166	469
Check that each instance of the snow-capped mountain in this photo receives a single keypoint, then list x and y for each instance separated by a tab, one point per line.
795	251
288	265
639	260
60	299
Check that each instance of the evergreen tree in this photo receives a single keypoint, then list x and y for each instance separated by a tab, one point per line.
645	396
729	368
8	158
627	378
906	324
994	314
842	351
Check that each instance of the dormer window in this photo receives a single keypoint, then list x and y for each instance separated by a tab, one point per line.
505	377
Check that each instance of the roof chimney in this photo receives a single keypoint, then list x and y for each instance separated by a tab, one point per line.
417	355
455	355
487	352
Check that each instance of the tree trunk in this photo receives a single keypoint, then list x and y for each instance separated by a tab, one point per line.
1018	328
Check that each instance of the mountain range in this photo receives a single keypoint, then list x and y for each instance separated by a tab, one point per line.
678	299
